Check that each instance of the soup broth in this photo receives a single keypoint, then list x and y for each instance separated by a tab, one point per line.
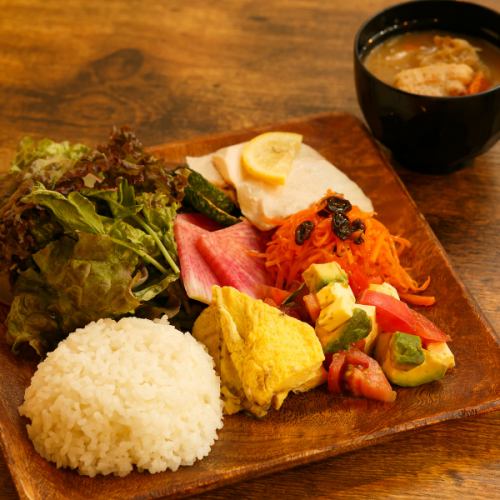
415	61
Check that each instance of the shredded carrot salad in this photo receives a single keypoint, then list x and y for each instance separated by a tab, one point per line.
376	256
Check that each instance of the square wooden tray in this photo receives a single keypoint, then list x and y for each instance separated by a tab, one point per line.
314	425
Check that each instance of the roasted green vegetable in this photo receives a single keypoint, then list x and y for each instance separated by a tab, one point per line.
205	198
198	183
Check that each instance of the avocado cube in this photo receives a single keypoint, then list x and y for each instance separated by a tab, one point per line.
332	292
386	288
336	313
356	328
316	276
437	360
406	349
440	351
370	339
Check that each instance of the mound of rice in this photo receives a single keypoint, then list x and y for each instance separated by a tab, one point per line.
118	394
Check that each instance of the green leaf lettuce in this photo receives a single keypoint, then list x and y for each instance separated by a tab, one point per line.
78	282
105	265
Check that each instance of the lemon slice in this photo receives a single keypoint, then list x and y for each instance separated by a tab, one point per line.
269	157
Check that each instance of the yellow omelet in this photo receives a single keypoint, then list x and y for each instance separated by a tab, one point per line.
260	353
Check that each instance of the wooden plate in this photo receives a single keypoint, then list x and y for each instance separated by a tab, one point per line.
310	426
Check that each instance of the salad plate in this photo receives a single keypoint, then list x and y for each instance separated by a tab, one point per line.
316	424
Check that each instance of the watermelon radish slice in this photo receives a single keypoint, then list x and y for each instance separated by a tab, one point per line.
197	276
200	220
227	252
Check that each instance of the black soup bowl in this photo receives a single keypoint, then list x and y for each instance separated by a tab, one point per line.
425	133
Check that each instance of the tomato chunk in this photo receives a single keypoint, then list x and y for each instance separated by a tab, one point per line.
277	295
360	344
335	372
427	330
392	314
312	306
361	375
358	281
357	357
365	378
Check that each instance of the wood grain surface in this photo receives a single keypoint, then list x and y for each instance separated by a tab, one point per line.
173	70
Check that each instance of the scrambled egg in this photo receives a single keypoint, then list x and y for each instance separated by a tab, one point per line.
260	353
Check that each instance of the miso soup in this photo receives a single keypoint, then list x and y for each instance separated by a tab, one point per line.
436	63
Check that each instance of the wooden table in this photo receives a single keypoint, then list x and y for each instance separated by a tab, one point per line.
175	69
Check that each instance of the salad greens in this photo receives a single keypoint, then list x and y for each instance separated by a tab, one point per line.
76	281
86	234
46	158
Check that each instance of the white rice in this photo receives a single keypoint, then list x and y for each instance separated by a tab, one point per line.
118	394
